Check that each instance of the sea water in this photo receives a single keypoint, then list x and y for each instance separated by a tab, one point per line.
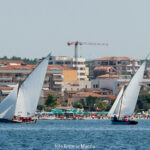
75	135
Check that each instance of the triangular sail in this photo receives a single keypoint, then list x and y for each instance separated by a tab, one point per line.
115	108
8	105
131	93
30	90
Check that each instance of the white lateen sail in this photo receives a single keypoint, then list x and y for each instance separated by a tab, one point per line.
8	105
23	100
30	90
126	100
114	109
131	93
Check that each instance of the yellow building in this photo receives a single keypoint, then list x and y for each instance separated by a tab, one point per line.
69	74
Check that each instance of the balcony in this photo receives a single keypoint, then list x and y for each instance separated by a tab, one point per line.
57	79
5	78
57	86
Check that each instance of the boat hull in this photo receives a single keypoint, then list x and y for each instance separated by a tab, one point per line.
16	121
122	122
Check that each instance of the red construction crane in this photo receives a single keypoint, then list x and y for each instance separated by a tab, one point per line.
83	43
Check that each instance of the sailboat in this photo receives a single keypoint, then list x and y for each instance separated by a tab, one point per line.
126	100
20	105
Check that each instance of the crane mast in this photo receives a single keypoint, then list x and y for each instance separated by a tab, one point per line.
83	43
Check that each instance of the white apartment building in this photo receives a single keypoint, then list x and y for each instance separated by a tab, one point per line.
106	82
71	62
76	86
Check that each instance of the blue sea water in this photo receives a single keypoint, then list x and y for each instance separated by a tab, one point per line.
75	135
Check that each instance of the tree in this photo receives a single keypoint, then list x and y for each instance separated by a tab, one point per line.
64	104
15	58
77	105
102	105
40	107
4	58
51	101
143	103
90	102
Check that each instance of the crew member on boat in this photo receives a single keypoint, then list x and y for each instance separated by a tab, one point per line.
115	118
126	118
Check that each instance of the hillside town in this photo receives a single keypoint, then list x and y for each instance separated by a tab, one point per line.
74	81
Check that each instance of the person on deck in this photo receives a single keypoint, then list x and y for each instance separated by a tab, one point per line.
126	119
115	118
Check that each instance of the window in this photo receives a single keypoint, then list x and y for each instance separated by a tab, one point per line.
112	63
59	62
67	62
81	78
82	68
96	85
82	74
18	75
119	62
50	63
105	63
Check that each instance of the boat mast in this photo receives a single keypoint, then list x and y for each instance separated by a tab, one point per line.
120	106
120	109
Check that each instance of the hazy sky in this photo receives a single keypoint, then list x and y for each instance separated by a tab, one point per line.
33	28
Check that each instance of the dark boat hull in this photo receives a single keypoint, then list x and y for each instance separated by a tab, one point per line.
7	121
15	121
122	122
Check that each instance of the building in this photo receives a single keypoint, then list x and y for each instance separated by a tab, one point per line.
59	75
54	80
103	70
106	81
71	62
121	65
76	86
4	91
11	62
82	96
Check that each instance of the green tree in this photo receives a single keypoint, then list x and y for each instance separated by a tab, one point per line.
102	105
40	107
77	105
90	103
15	58
30	61
51	101
4	58
143	103
64	104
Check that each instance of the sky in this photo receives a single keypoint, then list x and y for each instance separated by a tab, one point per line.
33	28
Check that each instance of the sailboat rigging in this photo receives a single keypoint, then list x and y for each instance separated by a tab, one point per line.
126	100
20	105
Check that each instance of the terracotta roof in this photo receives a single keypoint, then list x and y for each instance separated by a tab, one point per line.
5	87
114	58
87	94
30	67
108	76
95	90
13	67
112	97
102	68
